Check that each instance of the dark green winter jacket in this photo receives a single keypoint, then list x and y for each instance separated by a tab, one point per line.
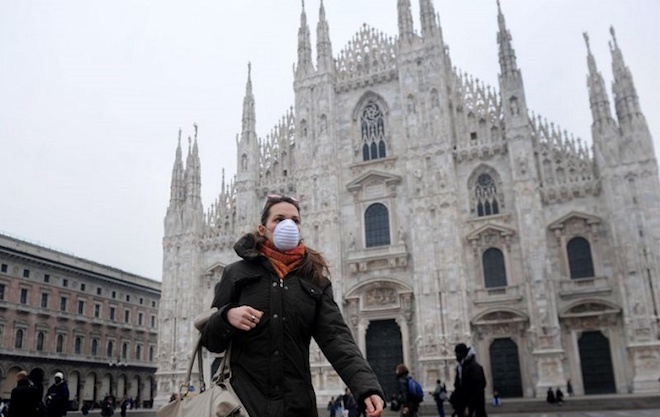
270	363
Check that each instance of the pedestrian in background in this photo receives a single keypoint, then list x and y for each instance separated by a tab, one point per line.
469	397
124	405
25	400
559	396
409	406
497	401
550	396
350	404
57	397
440	396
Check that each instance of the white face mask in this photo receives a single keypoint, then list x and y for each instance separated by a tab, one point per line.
286	235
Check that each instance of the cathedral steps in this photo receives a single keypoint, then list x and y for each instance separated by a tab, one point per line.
577	403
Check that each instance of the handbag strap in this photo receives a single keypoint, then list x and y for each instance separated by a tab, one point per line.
224	371
200	363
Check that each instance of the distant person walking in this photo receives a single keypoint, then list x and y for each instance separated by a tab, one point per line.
469	397
25	400
124	406
440	396
409	404
550	396
350	404
57	397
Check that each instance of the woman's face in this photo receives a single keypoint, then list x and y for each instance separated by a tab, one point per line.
278	212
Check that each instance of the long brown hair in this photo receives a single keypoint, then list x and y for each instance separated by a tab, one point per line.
314	265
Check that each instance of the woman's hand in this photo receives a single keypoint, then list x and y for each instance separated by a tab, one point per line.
244	317
374	406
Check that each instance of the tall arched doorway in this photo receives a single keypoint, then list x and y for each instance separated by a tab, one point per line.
596	363
505	368
90	394
384	352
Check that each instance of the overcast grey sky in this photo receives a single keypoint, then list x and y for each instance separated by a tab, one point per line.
92	95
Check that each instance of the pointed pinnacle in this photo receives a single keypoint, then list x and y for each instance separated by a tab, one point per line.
613	36
586	40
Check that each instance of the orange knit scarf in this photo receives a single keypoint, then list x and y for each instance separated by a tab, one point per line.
283	262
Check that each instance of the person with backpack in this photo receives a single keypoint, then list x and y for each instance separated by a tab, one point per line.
410	392
440	395
469	397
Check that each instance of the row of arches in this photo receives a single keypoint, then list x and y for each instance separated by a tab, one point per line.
88	387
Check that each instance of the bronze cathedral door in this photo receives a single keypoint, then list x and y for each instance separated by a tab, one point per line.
596	363
385	352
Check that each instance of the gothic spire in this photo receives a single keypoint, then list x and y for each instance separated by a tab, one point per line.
193	173
249	122
177	186
508	66
324	61
598	100
626	101
406	30
512	87
428	18
305	65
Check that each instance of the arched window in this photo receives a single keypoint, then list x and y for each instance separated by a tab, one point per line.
124	351
18	343
151	353
138	352
40	341
579	258
494	269
303	128
95	347
77	345
486	196
111	348
435	99
372	128
377	225
59	348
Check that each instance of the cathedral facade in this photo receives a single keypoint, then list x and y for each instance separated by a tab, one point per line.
449	213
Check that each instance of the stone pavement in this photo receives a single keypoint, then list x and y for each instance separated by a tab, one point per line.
594	413
557	413
612	405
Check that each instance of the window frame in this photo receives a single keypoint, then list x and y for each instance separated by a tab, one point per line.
491	281
572	267
381	236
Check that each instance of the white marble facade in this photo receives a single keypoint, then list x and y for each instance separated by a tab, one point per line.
464	182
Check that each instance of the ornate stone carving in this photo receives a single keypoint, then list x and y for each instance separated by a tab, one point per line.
369	58
380	297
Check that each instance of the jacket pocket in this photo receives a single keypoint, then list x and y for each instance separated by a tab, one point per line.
306	301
